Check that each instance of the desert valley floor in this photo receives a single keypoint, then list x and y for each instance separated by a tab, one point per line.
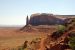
11	37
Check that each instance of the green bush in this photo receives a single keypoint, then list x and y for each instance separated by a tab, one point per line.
61	28
72	42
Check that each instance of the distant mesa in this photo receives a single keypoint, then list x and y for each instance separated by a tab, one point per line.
43	19
42	22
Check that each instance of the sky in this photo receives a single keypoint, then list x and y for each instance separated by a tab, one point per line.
14	12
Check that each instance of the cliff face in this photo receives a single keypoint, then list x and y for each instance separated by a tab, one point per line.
44	19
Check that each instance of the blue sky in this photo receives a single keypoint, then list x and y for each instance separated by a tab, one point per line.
14	12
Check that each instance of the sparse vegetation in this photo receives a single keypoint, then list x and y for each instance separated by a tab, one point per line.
61	28
72	43
72	40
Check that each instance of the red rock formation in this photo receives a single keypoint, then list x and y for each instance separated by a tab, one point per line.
44	19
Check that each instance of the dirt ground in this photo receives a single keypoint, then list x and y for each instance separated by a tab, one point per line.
12	37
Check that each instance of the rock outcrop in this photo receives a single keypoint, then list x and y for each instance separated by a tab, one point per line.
44	19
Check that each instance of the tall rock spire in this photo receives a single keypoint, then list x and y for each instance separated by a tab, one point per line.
27	20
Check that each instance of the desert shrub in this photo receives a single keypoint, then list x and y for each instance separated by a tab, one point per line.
25	44
72	42
23	47
61	28
56	34
59	32
35	43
